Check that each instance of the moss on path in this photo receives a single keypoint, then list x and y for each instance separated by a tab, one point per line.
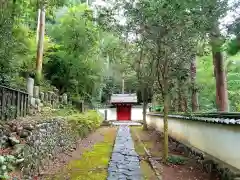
147	171
93	163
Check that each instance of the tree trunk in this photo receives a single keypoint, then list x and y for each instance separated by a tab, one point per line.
221	84
179	99
219	72
185	103
40	46
175	104
144	98
38	25
195	105
165	131
171	103
13	12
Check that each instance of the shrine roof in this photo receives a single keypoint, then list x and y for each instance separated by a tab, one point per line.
123	98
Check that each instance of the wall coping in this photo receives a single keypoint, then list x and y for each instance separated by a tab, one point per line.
227	121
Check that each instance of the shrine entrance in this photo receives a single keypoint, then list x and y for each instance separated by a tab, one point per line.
124	112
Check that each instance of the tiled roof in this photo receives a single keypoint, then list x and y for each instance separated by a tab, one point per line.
204	119
123	98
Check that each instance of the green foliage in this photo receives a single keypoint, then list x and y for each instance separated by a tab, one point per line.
177	160
75	49
206	82
17	38
157	108
9	112
233	47
78	59
234	27
6	165
65	111
87	60
85	123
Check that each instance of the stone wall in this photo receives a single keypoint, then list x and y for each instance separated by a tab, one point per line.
35	144
46	141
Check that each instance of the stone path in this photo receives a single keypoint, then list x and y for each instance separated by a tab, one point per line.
124	164
129	123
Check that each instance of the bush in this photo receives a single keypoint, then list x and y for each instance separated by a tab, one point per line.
6	165
177	160
65	110
157	108
85	122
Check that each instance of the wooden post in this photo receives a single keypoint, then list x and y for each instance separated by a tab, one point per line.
123	83
3	104
17	103
21	102
105	114
25	105
40	46
12	105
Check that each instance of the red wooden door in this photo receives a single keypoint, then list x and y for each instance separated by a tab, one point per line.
123	112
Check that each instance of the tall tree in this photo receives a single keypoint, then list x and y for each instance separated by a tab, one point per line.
219	70
41	32
194	96
213	11
169	31
143	65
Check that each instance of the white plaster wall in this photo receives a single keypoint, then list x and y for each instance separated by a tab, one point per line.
136	114
111	113
218	140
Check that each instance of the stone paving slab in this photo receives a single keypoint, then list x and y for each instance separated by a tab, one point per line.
130	123
124	164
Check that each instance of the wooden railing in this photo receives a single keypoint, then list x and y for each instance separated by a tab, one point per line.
13	103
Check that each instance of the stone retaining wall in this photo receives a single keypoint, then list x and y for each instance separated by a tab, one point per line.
46	141
34	144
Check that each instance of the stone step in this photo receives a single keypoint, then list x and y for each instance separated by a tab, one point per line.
128	123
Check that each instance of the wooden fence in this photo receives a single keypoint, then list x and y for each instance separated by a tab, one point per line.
13	103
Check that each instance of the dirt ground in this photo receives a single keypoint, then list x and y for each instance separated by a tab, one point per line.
190	170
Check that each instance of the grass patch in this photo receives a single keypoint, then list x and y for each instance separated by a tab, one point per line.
147	171
148	142
139	147
93	163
